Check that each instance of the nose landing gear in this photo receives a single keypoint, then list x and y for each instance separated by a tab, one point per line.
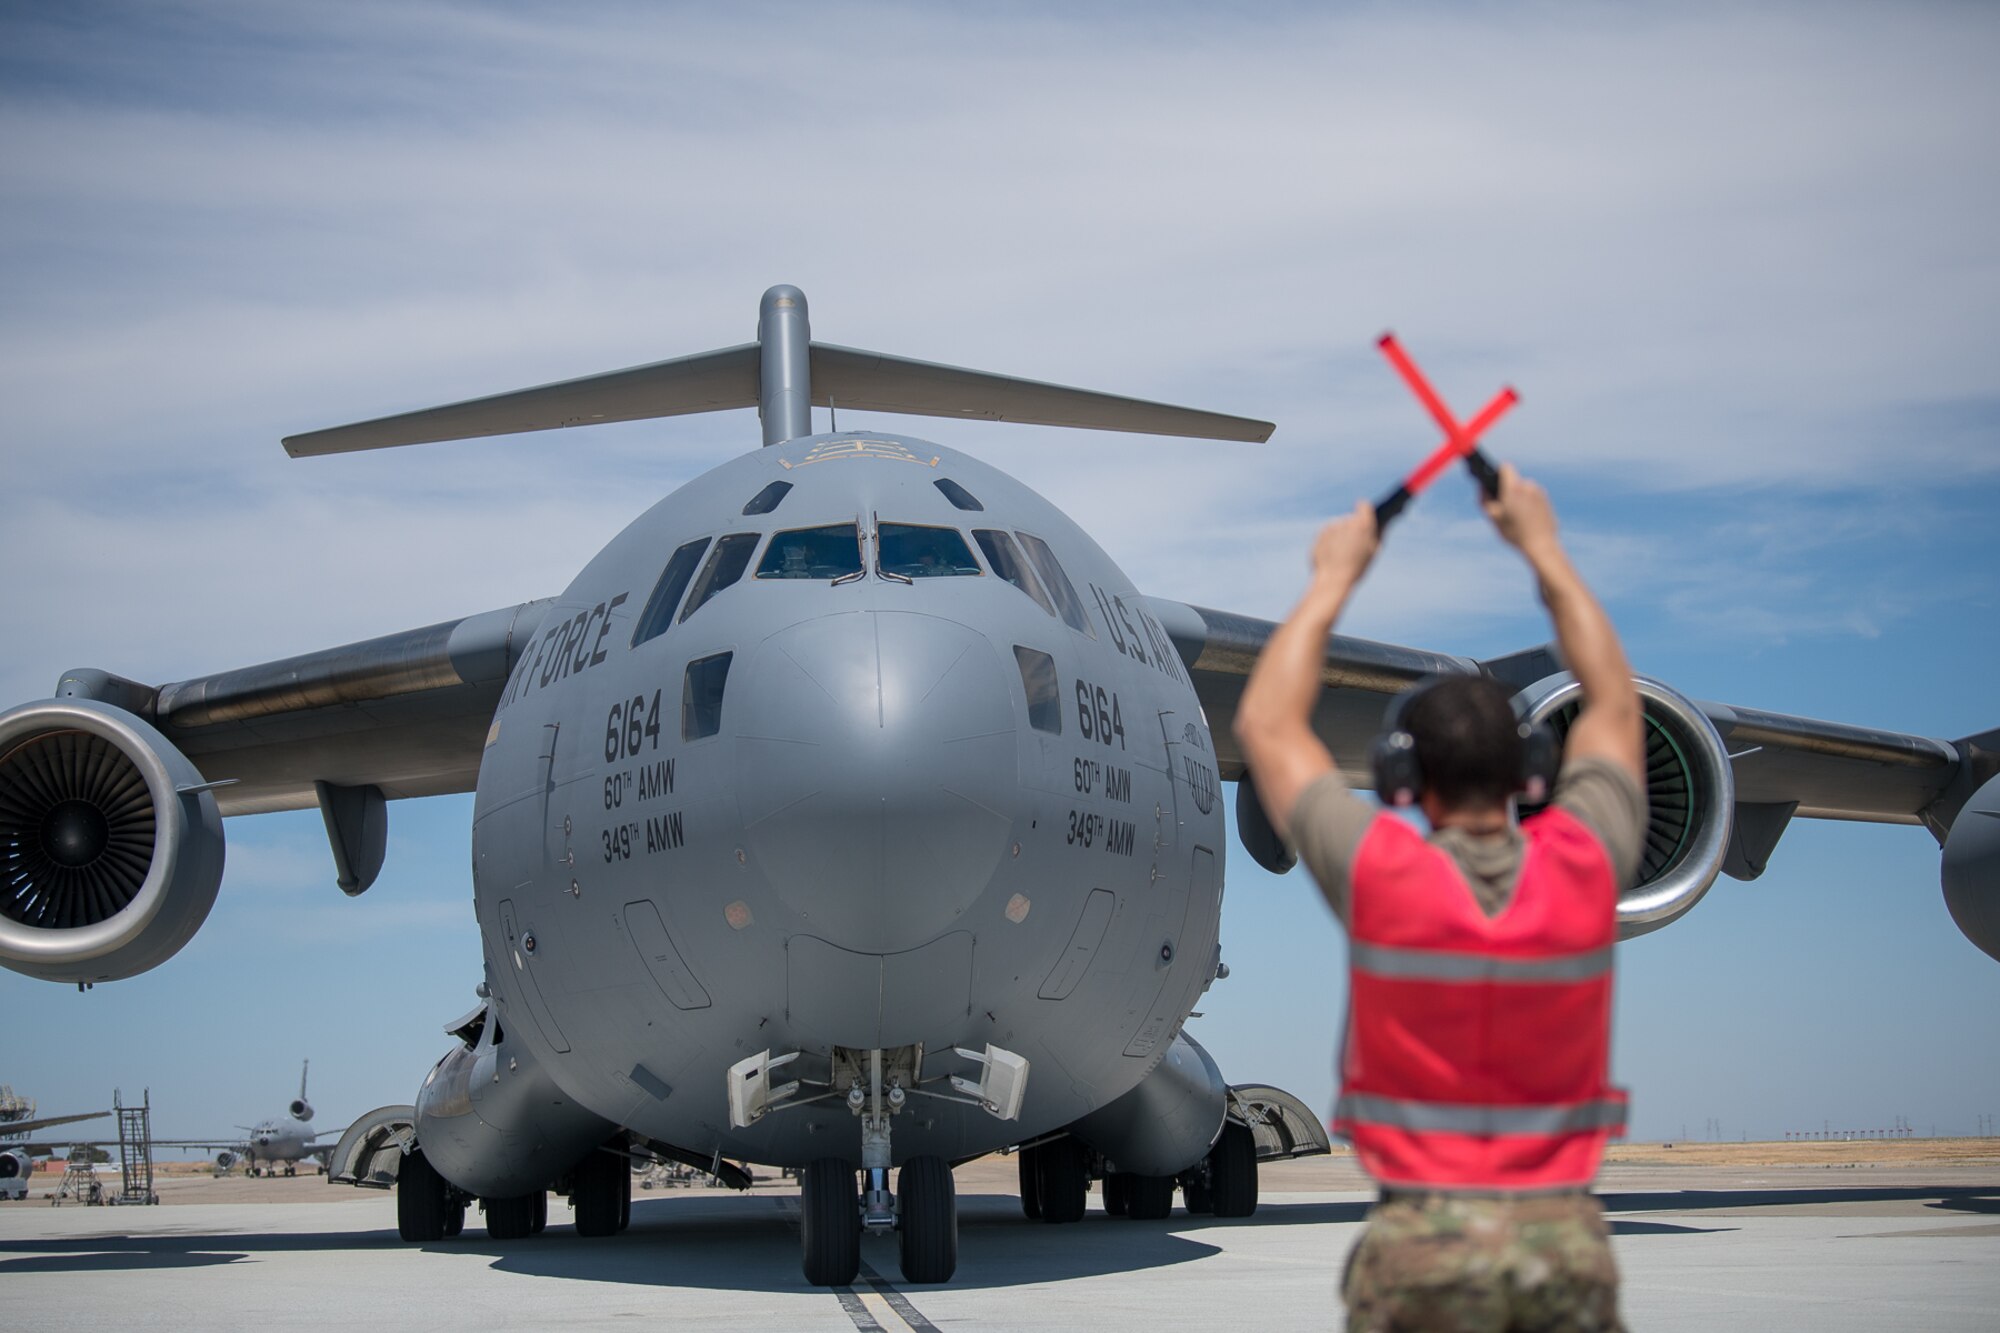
876	1085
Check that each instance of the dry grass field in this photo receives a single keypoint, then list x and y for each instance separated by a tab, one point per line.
1628	1167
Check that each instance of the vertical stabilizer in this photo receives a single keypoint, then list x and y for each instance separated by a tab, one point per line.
784	339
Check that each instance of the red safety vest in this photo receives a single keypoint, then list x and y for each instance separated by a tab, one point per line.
1478	1048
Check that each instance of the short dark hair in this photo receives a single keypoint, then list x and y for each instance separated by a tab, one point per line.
1467	740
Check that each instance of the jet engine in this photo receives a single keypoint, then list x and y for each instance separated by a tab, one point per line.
1971	868
1690	797
110	844
224	1160
301	1109
15	1165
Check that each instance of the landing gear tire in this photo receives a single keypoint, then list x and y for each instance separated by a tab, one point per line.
1232	1172
1117	1193
830	1222
1062	1180
625	1201
599	1177
927	1204
1031	1194
1197	1195
423	1201
540	1208
511	1219
454	1217
1149	1198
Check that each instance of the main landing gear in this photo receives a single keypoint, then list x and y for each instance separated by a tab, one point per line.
428	1209
1055	1182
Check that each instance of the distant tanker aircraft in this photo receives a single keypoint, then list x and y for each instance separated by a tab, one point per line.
850	811
275	1145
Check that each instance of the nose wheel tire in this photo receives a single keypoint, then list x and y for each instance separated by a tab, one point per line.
423	1201
927	1204
1232	1172
1062	1180
1149	1198
599	1179
1117	1193
1031	1194
454	1217
514	1219
830	1222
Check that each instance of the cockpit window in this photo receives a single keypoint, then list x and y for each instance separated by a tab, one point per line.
958	495
907	550
1039	682
1068	604
659	612
701	696
831	552
764	501
1005	558
726	564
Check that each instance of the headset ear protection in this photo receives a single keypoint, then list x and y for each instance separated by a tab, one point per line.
1399	778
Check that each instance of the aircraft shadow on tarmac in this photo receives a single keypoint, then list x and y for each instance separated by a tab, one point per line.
1949	1198
753	1245
118	1254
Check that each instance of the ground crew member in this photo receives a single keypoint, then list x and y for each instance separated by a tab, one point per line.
1474	1067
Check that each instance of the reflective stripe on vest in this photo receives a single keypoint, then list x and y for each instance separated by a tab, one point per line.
1447	1118
1437	965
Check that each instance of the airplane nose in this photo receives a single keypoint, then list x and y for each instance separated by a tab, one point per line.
877	773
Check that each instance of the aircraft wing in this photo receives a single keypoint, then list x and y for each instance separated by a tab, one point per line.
12	1127
406	713
1768	767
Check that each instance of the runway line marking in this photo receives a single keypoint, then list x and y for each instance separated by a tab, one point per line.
907	1312
880	1309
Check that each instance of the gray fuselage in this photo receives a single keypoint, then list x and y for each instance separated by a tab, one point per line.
858	832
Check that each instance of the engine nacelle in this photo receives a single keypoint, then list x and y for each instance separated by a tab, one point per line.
1167	1123
301	1109
15	1165
224	1160
110	855
1690	797
492	1121
1971	868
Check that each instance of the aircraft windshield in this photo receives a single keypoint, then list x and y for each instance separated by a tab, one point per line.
914	552
1005	557
831	552
726	564
1067	602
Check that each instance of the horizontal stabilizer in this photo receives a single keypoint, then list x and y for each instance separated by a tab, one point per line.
876	382
844	377
710	382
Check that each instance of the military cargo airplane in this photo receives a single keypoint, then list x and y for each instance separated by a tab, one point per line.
850	812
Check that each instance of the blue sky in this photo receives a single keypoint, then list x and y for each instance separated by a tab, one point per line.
1739	264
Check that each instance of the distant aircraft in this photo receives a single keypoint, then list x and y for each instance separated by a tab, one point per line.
18	1154
851	810
276	1145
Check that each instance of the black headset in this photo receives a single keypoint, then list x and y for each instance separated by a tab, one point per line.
1399	778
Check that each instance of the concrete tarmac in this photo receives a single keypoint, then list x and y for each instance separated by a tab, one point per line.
1773	1250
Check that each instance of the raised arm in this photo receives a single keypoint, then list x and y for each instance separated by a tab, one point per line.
1273	719
1609	726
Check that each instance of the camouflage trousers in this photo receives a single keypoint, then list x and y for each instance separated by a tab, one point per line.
1453	1264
